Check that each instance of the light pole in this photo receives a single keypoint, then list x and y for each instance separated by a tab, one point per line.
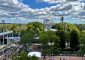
3	29
19	29
62	19
3	32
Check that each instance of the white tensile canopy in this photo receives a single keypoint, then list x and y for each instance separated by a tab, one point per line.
34	53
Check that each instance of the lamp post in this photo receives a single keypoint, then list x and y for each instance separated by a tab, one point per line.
3	30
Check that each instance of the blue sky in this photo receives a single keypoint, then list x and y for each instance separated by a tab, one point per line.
37	5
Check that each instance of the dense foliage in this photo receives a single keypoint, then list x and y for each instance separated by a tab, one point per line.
24	56
64	26
80	26
74	40
67	37
33	30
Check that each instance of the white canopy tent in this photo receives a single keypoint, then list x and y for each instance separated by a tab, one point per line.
34	53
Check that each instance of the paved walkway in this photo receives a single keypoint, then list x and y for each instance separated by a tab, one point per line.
63	58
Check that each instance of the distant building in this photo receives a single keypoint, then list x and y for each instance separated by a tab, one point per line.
3	39
7	40
47	23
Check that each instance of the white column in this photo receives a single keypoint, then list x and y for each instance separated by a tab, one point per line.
12	34
7	39
12	39
0	41
3	52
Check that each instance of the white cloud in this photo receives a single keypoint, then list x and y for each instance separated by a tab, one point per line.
16	8
72	0
57	1
54	1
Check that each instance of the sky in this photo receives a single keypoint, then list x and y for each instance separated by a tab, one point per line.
25	11
37	5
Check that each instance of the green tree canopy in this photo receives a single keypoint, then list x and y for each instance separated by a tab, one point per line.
62	35
35	26
24	56
27	37
74	40
48	36
64	26
33	30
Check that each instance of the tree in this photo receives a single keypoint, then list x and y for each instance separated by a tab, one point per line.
81	27
82	43
36	27
43	38
21	56
61	34
74	40
62	40
82	36
48	37
64	26
49	41
33	58
24	56
63	31
33	30
13	28
52	36
27	37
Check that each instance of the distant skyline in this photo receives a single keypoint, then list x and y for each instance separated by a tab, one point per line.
68	20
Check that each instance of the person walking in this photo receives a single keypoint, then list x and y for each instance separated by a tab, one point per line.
63	58
4	58
60	58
